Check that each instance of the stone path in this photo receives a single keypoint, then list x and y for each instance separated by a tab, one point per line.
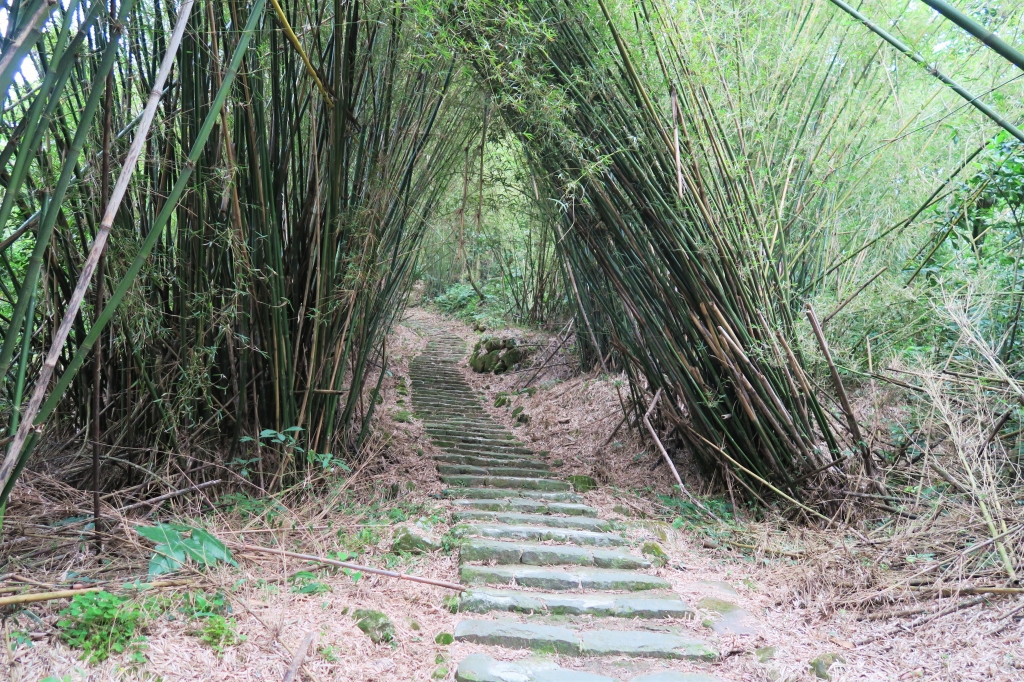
547	574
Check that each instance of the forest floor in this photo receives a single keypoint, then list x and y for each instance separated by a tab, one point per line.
806	588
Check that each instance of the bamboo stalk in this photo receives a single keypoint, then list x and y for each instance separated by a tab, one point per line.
99	243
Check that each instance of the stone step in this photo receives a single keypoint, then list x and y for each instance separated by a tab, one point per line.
510	461
542	534
480	668
489	451
497	552
498	493
499	458
552	639
574	578
517	519
434	429
649	605
463	440
526	506
468	469
464	481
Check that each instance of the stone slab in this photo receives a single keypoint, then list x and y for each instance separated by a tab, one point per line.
547	555
465	481
544	533
473	460
541	638
731	620
675	676
574	578
641	644
526	506
518	519
474	470
508	493
551	639
480	668
647	606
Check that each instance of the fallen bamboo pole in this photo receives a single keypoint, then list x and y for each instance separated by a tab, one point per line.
65	594
348	565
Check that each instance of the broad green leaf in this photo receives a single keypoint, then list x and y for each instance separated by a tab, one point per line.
206	549
160	534
166	559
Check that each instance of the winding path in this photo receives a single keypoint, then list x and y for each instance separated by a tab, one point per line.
547	574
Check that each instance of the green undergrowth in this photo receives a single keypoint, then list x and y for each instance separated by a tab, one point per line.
102	624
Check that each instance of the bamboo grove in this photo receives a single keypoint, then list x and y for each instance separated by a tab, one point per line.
300	154
265	241
658	234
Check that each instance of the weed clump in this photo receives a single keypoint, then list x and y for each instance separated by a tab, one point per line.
101	624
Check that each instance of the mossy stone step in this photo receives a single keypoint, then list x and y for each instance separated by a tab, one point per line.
502	469
487	451
469	469
499	493
573	578
499	458
480	668
474	431
510	461
647	605
465	481
514	518
463	440
495	551
551	639
526	506
541	534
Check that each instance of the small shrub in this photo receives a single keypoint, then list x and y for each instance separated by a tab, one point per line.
100	623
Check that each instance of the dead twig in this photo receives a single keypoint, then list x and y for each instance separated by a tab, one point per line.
346	564
668	460
300	654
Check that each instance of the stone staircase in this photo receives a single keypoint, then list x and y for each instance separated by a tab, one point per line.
547	575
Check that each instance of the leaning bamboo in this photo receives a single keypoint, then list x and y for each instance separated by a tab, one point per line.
99	244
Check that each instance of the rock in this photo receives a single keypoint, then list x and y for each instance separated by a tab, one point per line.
820	666
377	626
512	356
582	484
733	620
657	554
414	539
